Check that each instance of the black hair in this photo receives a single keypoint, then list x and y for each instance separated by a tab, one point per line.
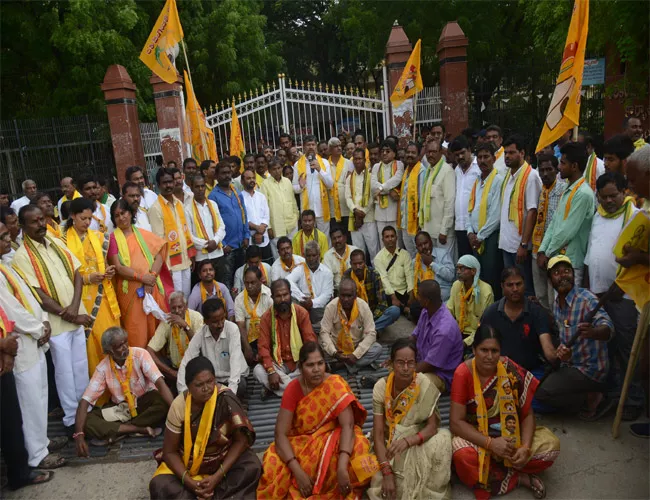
620	146
486	332
357	134
494	128
162	171
37	197
127	185
359	252
222	164
307	213
615	178
255	270
626	121
541	158
388	228
336	228
511	271
201	264
259	155
278	282
212	305
6	212
373	145
195	366
186	161
253	251
174	171
24	211
282	240
77	206
284	134
423	233
458	143
414	144
430	290
360	151
517	140
274	161
309	138
403	343
307	348
122	204
576	152
322	142
438	125
510	417
195	177
588	139
390	144
235	159
65	209
205	165
132	170
485	146
84	179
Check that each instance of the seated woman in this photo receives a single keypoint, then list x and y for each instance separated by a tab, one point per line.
317	436
497	446
413	453
207	446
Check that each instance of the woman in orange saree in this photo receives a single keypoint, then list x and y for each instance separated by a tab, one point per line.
138	257
317	436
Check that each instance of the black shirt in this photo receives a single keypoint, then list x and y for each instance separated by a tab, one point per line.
520	337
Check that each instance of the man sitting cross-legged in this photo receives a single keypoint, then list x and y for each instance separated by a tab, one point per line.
253	259
287	260
209	287
173	336
137	389
348	329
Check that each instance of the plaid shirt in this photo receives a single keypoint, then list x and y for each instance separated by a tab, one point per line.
554	200
144	375
377	299
587	355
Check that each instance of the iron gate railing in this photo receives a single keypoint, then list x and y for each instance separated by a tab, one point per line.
152	149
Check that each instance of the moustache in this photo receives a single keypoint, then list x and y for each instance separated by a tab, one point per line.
565	282
283	306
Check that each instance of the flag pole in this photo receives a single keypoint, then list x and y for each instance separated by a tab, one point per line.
415	112
196	111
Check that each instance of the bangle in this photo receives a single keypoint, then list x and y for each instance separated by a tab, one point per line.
408	443
421	437
387	473
289	461
346	452
222	470
527	449
487	443
77	434
383	464
183	478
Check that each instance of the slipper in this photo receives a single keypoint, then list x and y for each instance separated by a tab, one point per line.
57	443
601	410
539	491
37	476
157	431
56	413
266	394
367	382
52	461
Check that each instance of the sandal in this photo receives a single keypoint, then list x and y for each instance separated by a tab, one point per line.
601	410
37	476
57	443
539	491
52	461
367	382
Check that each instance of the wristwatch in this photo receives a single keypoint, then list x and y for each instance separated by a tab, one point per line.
187	328
523	245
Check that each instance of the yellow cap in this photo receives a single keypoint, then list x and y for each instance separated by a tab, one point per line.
557	259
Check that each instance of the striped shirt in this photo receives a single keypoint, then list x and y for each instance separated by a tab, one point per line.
377	300
587	355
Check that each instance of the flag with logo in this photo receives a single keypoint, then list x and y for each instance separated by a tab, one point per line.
166	33
236	139
634	280
201	137
564	110
410	83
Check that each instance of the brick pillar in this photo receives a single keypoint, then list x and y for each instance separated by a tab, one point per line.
398	50
169	112
452	55
122	109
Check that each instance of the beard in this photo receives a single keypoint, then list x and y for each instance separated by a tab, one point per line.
283	307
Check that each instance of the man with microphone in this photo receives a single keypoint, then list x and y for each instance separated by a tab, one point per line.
312	180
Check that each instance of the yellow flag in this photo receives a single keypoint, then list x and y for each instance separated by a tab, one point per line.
166	33
410	83
200	135
564	110
635	280
236	139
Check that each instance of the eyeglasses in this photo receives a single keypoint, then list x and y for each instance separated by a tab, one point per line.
404	364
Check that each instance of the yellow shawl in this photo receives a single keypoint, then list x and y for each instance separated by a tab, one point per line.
412	194
304	197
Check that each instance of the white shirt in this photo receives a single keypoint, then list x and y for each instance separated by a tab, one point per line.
600	258
216	236
188	190
265	303
142	220
500	163
239	276
333	261
509	237
348	167
257	210
322	283
20	203
148	198
388	214
313	185
464	183
278	272
104	214
225	354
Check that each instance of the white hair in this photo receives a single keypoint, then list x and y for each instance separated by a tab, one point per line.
641	158
334	142
110	335
177	295
312	245
27	181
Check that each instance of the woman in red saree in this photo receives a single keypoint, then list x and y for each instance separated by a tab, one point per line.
497	445
317	436
138	257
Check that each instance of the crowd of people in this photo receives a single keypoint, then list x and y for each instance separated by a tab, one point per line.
121	313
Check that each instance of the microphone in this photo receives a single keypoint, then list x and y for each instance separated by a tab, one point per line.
311	158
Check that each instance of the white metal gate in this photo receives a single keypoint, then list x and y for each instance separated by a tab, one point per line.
152	149
428	106
300	109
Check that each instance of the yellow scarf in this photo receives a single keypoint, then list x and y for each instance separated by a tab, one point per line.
45	281
124	255
171	231
314	237
198	222
176	335
241	207
308	279
54	229
361	285
590	171
567	208
499	153
217	292
254	322
421	275
542	214
412	194
627	208
295	339
6	325
365	195
397	409
125	383
383	199
293	262
77	248
464	300
15	289
639	143
334	192
427	187
102	225
344	340
75	195
507	407
304	197
517	196
343	260
482	207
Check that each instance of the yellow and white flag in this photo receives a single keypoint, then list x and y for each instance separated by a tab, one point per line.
236	139
564	110
200	136
410	83
166	33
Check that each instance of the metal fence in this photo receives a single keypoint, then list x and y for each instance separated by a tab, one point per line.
48	149
152	149
428	106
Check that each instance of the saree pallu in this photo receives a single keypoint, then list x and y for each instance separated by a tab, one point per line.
139	326
501	479
241	479
314	437
421	472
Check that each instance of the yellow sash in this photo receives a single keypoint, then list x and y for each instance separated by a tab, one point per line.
482	207
334	192
254	321
627	207
365	195
54	229
295	339
343	260
344	340
517	196
308	279
217	292
464	299
304	197
542	214
507	407
396	410
125	383
176	335
639	143
567	208
125	256
590	171
427	187
45	281
102	224
383	199
293	263
499	153
361	285
198	222
412	194
420	275
15	289
172	231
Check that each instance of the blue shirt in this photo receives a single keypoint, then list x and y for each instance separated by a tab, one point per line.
232	213
587	355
